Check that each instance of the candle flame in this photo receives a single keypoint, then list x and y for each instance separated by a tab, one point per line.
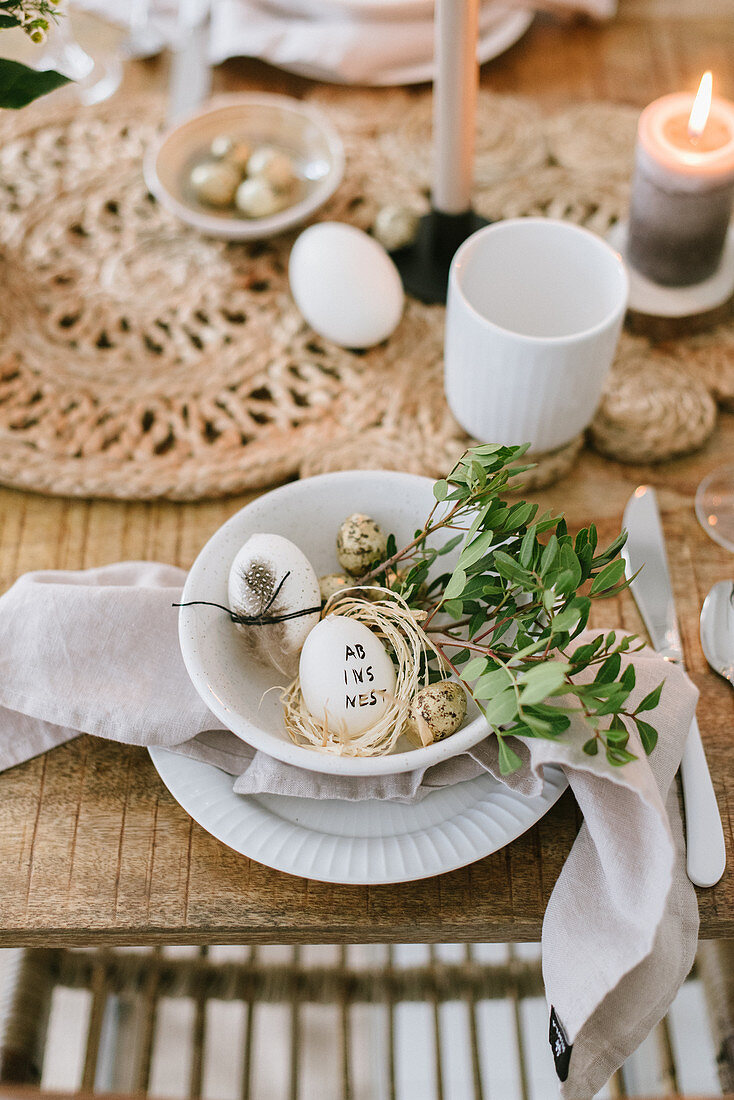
701	106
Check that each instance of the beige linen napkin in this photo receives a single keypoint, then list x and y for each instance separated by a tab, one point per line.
97	652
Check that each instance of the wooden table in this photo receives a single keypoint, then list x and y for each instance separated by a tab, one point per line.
92	846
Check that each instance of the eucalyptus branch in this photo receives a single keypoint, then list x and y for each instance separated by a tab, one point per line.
518	597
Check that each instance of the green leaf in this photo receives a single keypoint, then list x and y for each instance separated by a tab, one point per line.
648	735
454	608
628	677
609	670
502	708
475	668
591	747
450	544
650	701
456	585
608	577
612	550
441	489
618	738
20	85
617	757
492	683
549	555
585	653
8	21
476	549
508	567
527	546
543	680
509	760
565	620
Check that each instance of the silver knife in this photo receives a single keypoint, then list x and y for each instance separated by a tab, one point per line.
645	551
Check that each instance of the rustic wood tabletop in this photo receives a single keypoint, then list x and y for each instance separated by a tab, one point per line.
94	849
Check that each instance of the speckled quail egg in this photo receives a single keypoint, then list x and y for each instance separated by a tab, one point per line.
274	167
360	544
436	712
233	150
257	199
339	582
395	227
332	583
215	182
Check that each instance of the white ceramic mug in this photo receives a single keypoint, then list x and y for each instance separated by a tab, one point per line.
535	308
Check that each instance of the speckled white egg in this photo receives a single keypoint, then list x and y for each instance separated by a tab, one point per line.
360	544
436	712
347	677
272	577
345	285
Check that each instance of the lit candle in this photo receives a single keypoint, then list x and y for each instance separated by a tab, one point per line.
683	186
454	104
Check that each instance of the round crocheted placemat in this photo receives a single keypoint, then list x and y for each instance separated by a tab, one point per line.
651	410
140	360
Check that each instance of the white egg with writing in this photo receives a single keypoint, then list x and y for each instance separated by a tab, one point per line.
347	677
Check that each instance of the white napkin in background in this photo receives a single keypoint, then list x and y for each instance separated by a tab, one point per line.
96	651
344	49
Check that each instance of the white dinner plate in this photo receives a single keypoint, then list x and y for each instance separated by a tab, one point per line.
357	843
355	9
492	42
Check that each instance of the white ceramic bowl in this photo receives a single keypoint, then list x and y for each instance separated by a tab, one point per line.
309	513
300	129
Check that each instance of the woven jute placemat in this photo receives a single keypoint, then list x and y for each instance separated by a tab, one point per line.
140	360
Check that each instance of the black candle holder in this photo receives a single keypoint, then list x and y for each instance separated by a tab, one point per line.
424	263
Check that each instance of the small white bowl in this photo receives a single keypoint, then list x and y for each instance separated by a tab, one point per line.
309	513
298	128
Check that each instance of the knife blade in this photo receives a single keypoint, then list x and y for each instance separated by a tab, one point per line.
644	554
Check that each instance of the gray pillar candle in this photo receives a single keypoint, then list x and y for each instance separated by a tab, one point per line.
682	188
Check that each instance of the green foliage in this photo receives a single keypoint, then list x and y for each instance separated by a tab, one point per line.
520	594
20	85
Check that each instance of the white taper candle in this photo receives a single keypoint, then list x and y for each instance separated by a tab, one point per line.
454	104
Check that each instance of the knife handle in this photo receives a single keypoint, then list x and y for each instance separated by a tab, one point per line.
706	855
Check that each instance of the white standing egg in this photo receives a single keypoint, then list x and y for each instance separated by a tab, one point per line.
271	578
347	677
345	285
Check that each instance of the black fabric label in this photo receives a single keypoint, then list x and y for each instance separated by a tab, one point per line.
559	1045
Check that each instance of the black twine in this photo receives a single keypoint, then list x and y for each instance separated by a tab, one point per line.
255	620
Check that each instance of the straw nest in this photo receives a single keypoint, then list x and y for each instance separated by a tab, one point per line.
398	627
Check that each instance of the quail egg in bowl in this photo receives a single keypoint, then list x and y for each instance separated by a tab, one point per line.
246	167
